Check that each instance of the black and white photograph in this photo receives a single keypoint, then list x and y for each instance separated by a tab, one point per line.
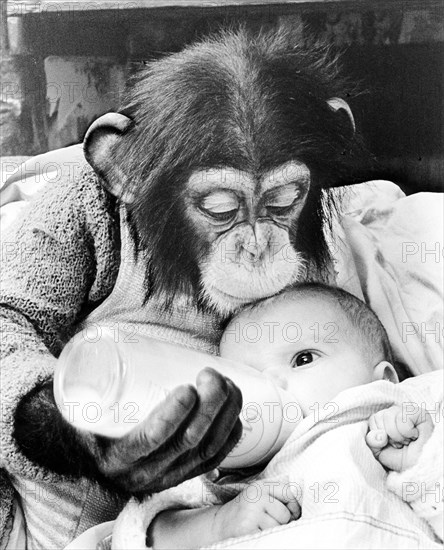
222	274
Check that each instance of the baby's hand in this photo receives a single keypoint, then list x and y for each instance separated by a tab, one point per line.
253	511
396	438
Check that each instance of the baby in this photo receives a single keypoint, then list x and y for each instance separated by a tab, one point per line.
314	341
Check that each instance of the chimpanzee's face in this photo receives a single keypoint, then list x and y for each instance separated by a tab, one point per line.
266	105
248	222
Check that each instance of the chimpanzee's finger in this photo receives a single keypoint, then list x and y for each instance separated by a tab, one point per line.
161	424
213	462
215	393
218	433
190	464
175	461
214	415
217	436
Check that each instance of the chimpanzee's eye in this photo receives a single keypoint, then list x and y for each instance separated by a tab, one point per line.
221	216
303	358
279	210
280	201
222	206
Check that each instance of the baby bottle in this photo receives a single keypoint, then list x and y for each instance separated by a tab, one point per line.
108	385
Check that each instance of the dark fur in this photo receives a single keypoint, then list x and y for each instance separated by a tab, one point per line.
248	102
44	436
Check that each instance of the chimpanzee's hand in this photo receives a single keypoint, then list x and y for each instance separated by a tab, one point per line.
189	433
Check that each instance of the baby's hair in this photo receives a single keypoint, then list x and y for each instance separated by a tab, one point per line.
373	338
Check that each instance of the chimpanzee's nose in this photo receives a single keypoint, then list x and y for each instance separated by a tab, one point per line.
255	243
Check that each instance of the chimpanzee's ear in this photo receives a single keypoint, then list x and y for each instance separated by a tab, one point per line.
338	104
100	138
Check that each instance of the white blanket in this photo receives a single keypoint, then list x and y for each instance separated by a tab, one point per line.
389	251
343	491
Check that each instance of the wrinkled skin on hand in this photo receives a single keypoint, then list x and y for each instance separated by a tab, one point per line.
189	433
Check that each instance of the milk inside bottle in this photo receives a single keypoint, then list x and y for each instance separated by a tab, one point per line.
108	385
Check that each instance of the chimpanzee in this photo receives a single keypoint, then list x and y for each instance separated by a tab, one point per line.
218	167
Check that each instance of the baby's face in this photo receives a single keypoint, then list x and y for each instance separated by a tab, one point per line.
305	344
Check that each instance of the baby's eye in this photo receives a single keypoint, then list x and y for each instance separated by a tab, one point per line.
303	358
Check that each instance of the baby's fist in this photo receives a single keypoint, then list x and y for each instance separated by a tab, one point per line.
396	438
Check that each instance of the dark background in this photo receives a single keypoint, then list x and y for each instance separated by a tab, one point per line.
395	51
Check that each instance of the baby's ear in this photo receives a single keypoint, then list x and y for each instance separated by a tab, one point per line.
385	371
